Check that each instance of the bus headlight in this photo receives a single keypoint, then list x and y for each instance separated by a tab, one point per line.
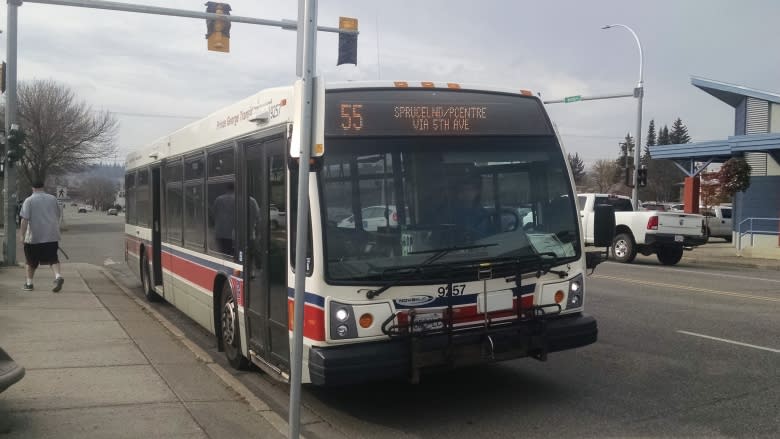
342	321
342	314
576	293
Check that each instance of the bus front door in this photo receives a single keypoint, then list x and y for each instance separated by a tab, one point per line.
157	278
266	250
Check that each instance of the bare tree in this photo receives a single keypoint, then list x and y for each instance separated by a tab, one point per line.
62	133
100	192
603	174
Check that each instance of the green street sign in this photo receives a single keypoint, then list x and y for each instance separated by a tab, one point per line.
570	99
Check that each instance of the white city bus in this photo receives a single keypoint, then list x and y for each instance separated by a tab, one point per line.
444	230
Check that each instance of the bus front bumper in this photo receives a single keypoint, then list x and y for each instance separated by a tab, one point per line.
400	358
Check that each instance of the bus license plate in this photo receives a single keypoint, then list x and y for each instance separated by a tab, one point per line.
678	238
427	322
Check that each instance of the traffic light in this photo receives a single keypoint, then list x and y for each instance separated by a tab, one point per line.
629	176
218	31
641	177
14	148
347	42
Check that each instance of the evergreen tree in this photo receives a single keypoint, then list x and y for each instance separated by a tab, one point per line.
651	140
663	136
679	133
577	168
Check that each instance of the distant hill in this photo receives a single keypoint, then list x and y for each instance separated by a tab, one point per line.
110	172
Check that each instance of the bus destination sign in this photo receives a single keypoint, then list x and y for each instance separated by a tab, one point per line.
395	112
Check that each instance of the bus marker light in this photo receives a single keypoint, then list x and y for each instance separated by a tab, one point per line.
454	85
366	320
401	84
526	93
559	296
319	149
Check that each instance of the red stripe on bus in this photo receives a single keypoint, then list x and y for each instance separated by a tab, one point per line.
313	320
195	273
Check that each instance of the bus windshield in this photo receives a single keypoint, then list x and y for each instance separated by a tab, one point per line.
391	202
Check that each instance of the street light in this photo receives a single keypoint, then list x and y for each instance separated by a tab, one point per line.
639	94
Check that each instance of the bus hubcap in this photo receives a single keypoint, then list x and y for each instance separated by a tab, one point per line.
228	322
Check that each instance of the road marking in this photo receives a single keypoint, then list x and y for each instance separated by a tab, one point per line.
777	351
686	288
709	273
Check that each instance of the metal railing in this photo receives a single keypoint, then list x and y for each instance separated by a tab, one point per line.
751	229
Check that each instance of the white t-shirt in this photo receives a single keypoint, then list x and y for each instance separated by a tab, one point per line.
42	211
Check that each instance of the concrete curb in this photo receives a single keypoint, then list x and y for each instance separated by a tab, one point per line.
745	263
273	418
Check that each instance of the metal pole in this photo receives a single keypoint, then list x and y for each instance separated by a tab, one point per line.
307	33
10	119
639	93
155	10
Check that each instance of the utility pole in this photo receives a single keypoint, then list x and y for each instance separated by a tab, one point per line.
10	120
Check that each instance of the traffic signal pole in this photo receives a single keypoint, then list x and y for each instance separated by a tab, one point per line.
155	10
307	49
10	119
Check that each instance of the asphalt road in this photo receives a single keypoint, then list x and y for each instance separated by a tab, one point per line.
683	351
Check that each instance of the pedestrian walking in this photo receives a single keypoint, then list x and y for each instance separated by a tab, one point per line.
41	234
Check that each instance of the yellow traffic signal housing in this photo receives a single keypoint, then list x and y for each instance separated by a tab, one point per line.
218	31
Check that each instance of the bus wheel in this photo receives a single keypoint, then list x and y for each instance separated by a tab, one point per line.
231	336
146	282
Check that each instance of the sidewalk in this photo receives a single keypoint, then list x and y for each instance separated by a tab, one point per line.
720	253
101	364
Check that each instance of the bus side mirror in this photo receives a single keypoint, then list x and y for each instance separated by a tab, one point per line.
603	225
603	234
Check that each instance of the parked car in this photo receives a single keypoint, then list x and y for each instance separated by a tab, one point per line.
719	221
113	211
277	216
655	206
82	209
373	218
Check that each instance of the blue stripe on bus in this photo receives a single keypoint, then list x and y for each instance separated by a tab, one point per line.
311	298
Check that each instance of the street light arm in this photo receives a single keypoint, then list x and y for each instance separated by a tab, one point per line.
639	45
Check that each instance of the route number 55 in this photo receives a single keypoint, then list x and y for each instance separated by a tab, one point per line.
351	119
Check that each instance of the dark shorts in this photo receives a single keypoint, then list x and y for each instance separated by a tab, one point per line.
44	253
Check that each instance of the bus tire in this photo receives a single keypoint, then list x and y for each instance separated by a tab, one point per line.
146	281
624	248
231	336
670	255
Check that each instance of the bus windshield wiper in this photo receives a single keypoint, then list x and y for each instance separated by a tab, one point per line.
416	270
543	263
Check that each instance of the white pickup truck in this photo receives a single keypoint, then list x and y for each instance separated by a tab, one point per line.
718	220
664	233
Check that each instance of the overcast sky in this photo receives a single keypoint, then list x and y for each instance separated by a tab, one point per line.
156	73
